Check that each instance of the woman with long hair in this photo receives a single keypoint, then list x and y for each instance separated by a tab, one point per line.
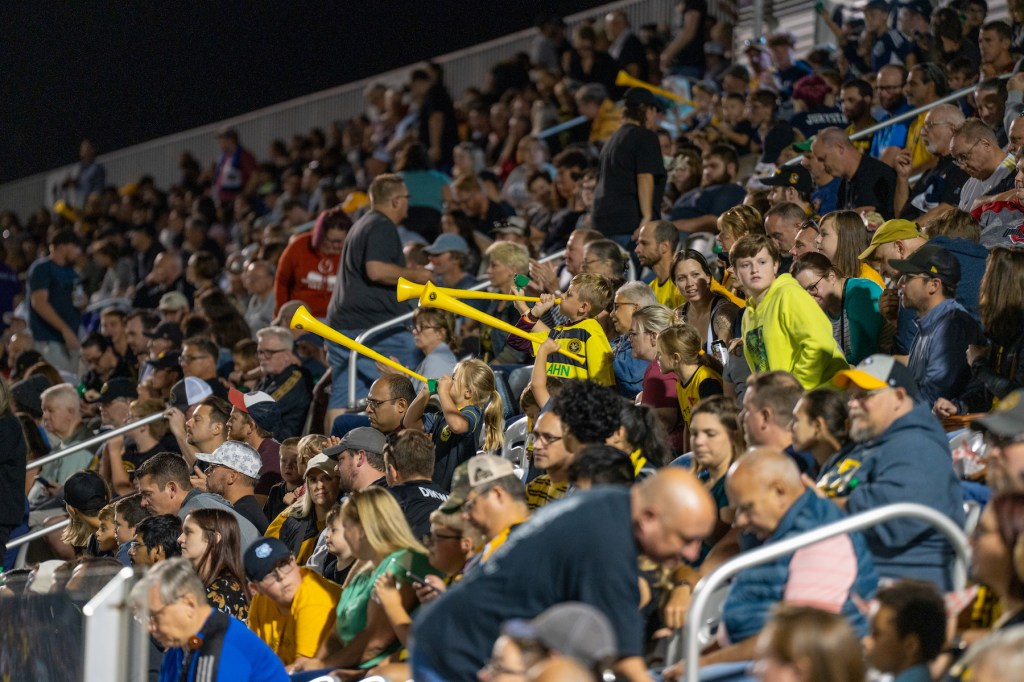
821	426
12	467
299	525
211	541
308	267
710	308
997	369
229	325
841	238
851	304
642	436
998	533
378	535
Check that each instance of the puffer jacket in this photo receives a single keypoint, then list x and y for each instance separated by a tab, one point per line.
758	589
993	377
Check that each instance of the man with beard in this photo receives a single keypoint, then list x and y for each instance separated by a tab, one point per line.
205	431
655	248
902	455
888	142
698	209
926	83
855	99
938	190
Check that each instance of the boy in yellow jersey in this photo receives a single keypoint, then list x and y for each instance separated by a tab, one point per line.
588	295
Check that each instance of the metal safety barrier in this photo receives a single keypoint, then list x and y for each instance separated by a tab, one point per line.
92	442
707	586
38	533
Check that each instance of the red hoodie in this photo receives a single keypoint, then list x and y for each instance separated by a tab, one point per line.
306	275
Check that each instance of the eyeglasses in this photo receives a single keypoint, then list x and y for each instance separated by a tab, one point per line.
419	330
371	402
961	158
154	616
547	438
279	571
865	396
905	277
813	289
185	359
468	505
270	352
432	539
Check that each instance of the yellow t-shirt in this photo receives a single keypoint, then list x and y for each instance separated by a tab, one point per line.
863	144
868	272
498	540
667	293
586	338
308	622
704	382
608	120
915	143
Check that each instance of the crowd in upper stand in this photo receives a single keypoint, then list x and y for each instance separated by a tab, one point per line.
765	319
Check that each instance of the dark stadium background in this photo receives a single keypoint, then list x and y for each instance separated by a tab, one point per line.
126	72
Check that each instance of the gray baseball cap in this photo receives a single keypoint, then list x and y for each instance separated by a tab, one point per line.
361	438
235	455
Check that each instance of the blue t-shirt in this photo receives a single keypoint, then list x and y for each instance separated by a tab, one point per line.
891	48
825	199
60	283
426	188
893	136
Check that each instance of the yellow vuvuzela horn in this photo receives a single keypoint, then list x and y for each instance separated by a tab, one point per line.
433	297
304	321
408	290
623	79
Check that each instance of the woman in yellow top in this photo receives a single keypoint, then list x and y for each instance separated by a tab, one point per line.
841	238
698	374
300	524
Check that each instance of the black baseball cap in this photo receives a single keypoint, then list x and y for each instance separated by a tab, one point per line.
118	387
168	331
86	492
261	557
166	360
933	261
791	175
644	97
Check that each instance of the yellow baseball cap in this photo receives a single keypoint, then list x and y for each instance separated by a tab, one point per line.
888	232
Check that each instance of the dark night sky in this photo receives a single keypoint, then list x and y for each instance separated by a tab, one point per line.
122	73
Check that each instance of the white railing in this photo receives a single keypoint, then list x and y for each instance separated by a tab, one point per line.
709	584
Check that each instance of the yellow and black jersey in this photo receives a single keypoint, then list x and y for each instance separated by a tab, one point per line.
543	490
667	293
704	383
588	339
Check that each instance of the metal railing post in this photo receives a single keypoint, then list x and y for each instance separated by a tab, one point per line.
708	584
38	533
373	331
96	440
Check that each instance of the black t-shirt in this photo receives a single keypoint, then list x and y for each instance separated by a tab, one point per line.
872	185
496	213
788	76
132	459
436	101
778	137
633	53
250	509
940	185
560	227
418	499
632	150
692	53
275	500
12	471
580	548
358	302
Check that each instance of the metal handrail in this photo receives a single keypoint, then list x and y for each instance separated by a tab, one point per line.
96	440
373	331
38	533
708	584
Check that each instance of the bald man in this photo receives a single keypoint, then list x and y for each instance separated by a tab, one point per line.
583	548
866	184
773	504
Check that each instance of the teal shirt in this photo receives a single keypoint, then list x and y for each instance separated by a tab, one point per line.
356	597
859	329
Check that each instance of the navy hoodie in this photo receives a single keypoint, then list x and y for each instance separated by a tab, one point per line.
971	256
909	462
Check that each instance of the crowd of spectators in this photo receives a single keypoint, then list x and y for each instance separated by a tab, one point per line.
765	319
